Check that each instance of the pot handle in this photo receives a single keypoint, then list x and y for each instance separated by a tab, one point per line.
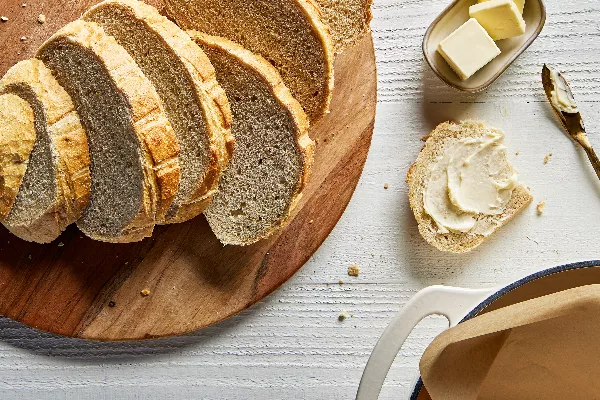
453	303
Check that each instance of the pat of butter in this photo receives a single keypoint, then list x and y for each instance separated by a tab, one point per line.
500	18
468	49
519	3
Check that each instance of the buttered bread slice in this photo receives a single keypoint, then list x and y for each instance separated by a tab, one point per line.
185	80
56	186
133	149
288	33
462	188
273	154
17	137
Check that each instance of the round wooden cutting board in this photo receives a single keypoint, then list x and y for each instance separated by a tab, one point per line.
81	288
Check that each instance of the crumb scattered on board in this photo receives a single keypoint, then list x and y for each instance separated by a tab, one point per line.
145	292
343	315
341	282
547	158
386	186
540	207
353	270
4	19
517	153
41	18
311	221
61	244
23	38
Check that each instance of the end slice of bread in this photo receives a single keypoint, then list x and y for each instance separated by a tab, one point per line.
349	20
56	185
185	80
273	155
17	137
418	177
133	149
288	33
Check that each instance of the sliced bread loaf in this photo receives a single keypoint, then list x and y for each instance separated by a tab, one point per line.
17	137
348	20
273	152
185	80
56	185
288	33
133	149
420	173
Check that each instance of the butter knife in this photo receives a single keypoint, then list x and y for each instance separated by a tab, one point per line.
560	96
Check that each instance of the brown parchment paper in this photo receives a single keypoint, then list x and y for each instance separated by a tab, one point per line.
546	348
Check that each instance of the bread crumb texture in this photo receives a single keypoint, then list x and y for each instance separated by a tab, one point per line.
540	207
353	270
343	315
145	292
418	177
41	19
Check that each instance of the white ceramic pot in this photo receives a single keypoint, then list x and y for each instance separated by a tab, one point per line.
459	305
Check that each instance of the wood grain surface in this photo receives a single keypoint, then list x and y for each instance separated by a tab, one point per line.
81	288
291	344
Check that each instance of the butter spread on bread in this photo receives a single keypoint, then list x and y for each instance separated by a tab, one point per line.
472	176
470	158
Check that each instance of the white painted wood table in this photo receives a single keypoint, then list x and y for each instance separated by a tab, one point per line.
292	346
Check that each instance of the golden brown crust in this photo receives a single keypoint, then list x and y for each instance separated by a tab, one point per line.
312	11
209	95
68	141
155	134
282	94
17	136
417	180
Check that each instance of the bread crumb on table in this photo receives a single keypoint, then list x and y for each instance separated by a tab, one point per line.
41	18
4	19
353	270
540	207
386	186
517	153
145	292
343	315
547	158
341	282
61	244
23	38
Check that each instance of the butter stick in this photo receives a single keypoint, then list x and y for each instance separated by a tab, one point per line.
468	49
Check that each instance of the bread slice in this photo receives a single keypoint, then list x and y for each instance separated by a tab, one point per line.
56	185
17	137
185	80
418	177
288	33
133	149
273	154
349	20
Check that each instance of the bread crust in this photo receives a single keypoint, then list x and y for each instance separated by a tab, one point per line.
155	135
68	142
209	95
17	136
417	178
282	94
182	12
